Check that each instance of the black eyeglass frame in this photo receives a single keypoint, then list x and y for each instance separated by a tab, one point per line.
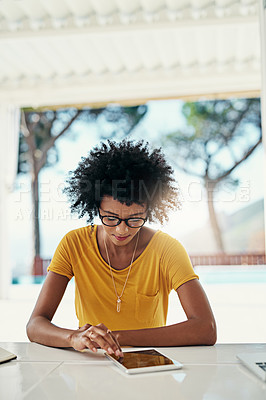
122	219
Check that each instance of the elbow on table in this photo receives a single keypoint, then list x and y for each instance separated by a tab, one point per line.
29	331
209	333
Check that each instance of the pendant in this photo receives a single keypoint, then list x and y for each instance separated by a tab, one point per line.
118	305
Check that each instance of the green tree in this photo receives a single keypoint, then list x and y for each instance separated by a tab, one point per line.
40	130
219	135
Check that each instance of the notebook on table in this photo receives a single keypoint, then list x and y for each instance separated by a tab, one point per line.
6	355
255	362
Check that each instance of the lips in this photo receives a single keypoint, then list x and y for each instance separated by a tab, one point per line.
121	238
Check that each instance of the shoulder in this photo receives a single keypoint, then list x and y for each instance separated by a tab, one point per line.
159	237
79	235
168	246
160	241
166	240
76	243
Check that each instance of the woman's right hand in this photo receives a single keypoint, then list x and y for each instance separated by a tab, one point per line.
91	337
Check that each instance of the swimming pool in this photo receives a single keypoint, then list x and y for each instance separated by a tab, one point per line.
233	276
208	275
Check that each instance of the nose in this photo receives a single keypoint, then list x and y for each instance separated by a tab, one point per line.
122	228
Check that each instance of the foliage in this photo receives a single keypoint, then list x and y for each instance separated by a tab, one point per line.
219	135
46	127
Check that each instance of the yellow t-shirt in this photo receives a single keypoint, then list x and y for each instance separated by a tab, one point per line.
163	265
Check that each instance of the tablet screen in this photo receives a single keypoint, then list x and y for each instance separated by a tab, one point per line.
142	359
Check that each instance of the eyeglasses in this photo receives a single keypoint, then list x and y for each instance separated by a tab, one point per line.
114	221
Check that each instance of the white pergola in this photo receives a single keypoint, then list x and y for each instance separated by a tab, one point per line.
92	52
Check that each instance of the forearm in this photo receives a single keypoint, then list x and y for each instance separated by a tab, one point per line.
41	330
191	332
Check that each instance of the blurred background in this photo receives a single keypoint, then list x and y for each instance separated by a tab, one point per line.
182	75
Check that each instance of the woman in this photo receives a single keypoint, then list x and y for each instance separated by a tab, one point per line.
124	271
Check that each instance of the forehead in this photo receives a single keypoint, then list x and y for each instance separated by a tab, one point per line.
115	207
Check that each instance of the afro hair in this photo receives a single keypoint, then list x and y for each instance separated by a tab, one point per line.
130	173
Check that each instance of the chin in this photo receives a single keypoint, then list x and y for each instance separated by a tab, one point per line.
121	242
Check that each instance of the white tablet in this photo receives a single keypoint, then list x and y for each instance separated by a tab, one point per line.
6	356
146	360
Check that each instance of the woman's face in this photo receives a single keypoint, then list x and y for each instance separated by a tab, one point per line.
121	234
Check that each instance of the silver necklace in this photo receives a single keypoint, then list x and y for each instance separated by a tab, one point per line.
118	301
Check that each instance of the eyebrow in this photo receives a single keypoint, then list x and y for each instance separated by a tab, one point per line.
131	215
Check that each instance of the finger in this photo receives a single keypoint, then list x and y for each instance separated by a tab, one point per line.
84	327
103	343
114	338
89	344
95	344
120	352
104	339
102	326
102	330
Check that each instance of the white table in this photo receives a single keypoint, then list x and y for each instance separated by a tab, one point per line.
211	373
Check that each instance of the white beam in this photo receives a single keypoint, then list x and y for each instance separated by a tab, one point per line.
9	129
119	87
118	28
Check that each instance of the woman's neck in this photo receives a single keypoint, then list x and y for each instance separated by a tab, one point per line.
119	251
121	256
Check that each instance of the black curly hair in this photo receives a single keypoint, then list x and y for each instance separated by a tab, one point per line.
130	173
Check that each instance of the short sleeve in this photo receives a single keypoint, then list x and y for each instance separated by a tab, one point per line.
177	264
61	262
